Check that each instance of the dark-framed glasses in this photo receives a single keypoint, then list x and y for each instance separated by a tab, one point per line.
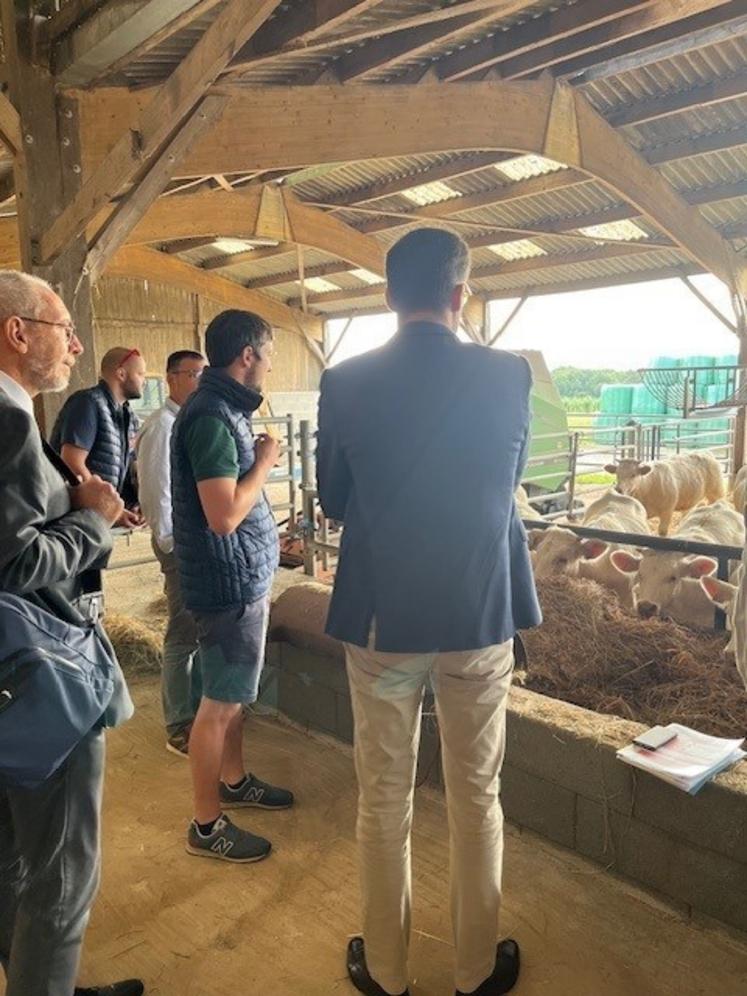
70	330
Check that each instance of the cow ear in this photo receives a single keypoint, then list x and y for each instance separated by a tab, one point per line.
535	537
626	562
720	592
644	468
611	468
699	567
593	548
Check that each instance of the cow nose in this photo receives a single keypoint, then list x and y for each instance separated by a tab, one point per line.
647	610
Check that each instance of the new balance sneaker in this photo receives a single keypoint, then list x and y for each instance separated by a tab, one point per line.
178	743
253	793
130	987
227	842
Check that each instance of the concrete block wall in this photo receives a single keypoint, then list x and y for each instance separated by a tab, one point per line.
561	779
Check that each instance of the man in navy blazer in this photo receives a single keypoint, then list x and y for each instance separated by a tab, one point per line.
421	445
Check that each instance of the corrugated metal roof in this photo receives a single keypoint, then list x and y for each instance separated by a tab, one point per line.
681	74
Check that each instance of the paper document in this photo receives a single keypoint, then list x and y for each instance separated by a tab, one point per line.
688	761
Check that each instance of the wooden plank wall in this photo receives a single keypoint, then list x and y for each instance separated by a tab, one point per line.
158	319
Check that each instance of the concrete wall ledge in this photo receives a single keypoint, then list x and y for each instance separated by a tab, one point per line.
561	779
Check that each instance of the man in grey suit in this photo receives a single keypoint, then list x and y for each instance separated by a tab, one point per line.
54	538
421	446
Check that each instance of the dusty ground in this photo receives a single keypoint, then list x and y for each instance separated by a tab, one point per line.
193	927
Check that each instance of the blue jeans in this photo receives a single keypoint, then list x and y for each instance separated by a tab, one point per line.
181	688
49	872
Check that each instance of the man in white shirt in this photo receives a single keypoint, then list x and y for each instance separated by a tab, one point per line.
180	691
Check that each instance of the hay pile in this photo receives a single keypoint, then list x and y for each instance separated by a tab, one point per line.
589	652
137	645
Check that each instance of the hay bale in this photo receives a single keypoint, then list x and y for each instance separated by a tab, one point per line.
137	645
589	652
299	616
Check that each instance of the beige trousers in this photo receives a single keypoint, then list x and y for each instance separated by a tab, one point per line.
471	691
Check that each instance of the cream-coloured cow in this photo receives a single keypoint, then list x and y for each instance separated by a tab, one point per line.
523	507
559	551
667	584
740	489
673	485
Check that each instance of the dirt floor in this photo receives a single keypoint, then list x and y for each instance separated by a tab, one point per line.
193	927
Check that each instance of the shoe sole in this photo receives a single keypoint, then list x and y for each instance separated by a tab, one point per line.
175	750
251	805
200	852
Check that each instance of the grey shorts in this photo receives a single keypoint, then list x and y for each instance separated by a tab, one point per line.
232	651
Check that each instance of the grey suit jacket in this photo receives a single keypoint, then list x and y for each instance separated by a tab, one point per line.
49	553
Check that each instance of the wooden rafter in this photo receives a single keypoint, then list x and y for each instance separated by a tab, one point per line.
250	58
127	213
554	53
538	264
640	50
555	25
166	109
149	264
601	283
307	21
717	92
10	125
385	53
134	53
69	16
109	34
266	212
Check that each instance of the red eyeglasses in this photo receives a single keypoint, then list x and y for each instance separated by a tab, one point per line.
128	356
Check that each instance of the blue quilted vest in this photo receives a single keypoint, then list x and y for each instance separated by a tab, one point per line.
220	572
107	456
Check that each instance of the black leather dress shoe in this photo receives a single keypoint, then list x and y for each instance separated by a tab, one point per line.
358	971
130	987
504	975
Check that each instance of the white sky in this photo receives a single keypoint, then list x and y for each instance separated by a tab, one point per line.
618	327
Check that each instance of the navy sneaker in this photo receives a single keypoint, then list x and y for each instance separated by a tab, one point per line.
227	842
130	987
255	794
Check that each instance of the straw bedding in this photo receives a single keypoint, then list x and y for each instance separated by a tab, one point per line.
589	652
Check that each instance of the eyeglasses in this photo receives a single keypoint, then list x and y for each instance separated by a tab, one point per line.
192	374
70	330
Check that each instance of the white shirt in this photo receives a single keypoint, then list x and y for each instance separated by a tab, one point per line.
153	446
17	394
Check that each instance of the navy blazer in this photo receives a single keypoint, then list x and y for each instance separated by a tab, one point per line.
421	444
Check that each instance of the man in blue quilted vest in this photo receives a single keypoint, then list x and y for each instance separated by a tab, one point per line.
95	430
226	545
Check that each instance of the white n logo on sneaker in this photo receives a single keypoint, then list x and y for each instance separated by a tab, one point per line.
221	846
254	795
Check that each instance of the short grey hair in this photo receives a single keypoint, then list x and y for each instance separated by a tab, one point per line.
21	294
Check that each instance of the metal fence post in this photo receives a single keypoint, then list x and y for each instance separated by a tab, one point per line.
308	521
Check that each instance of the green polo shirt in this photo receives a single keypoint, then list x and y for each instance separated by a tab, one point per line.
211	449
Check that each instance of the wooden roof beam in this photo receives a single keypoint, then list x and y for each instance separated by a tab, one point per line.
110	34
659	14
249	58
555	25
595	283
279	127
167	108
719	91
307	21
710	27
387	52
149	264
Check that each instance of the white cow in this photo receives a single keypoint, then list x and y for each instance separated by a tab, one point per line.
673	485
559	551
667	584
740	489
523	507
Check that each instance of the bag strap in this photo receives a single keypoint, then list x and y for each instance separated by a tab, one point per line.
59	464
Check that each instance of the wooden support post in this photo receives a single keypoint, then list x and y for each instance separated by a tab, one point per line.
514	312
47	173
